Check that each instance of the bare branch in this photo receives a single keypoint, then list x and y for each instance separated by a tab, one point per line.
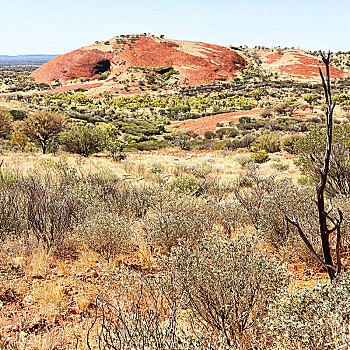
307	242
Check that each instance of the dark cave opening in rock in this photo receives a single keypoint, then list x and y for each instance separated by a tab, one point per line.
163	70
101	67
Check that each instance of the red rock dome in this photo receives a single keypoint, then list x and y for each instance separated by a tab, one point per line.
197	63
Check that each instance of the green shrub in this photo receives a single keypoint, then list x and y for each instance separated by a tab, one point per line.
286	199
6	122
286	106
243	181
289	143
311	148
304	180
228	284
279	166
209	135
231	132
266	113
11	211
316	318
129	200
230	217
260	156
115	147
167	75
220	145
202	170
155	173
107	234
245	120
155	168
185	185
83	140
104	75
245	141
343	203
18	114
244	160
173	219
270	143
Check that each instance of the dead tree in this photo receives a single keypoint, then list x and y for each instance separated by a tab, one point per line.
324	217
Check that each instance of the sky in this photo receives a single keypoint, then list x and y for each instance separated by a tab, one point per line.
56	27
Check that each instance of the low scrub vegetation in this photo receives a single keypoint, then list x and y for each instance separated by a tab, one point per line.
189	259
175	250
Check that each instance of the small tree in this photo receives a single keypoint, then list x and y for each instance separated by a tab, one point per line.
43	128
286	107
289	143
323	214
115	147
258	94
310	99
313	145
221	132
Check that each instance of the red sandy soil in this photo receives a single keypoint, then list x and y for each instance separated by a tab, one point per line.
73	87
197	63
26	317
272	58
201	125
60	89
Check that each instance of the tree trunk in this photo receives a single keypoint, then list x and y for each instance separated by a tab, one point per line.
324	234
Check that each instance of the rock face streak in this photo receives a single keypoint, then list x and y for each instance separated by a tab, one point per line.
197	63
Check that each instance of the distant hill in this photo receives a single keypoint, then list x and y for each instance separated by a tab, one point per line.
25	59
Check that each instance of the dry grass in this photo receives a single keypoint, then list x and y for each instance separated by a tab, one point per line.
38	265
50	297
137	164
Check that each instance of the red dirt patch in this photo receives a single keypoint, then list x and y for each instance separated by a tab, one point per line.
272	58
201	125
73	87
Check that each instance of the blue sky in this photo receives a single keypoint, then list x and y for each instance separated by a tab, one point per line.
54	27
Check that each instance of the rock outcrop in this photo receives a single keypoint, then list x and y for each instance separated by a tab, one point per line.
296	65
